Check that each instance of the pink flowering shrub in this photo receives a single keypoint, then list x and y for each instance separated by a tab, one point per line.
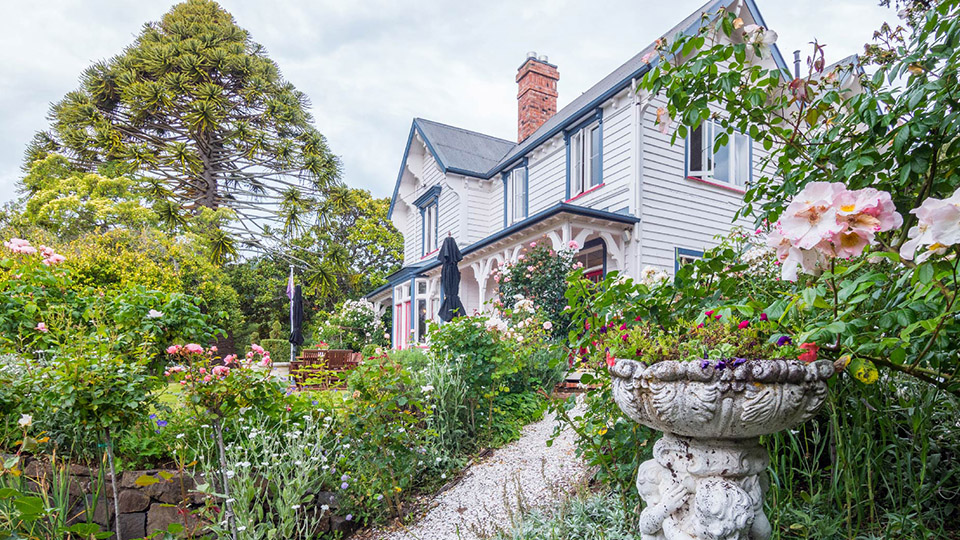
539	275
220	387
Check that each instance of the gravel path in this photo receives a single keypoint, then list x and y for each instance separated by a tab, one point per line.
523	473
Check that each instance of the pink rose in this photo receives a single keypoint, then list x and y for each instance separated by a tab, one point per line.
221	371
194	348
208	378
173	349
42	328
573	245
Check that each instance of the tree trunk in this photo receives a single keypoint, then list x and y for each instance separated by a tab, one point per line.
227	504
113	485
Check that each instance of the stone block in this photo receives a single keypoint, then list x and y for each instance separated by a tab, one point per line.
341	525
161	515
328	498
133	500
133	525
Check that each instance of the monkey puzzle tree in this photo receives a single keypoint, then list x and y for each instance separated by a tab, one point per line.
198	111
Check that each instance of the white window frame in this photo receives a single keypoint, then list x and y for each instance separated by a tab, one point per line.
585	159
517	193
739	151
431	233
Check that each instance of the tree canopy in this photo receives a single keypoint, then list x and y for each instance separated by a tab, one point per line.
198	113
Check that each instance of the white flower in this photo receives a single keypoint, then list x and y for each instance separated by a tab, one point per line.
295	506
325	507
427	388
181	435
443	476
25	420
938	226
154	314
548	325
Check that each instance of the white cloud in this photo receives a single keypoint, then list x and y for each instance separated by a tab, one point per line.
370	67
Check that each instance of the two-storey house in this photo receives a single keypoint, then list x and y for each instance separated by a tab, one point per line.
599	172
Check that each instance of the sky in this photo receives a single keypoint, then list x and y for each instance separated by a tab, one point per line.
371	66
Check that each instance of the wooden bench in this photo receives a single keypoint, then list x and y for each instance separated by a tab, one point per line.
323	368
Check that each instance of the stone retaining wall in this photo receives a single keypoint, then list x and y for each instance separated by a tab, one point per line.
144	509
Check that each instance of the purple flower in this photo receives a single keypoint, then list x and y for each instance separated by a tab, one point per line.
704	364
721	365
344	478
380	497
603	329
349	517
161	423
315	402
344	485
153	417
783	341
738	361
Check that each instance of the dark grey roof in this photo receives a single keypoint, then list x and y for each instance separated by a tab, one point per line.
464	150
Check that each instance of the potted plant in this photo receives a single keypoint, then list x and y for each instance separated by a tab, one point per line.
713	387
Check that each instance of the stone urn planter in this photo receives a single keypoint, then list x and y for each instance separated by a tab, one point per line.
707	479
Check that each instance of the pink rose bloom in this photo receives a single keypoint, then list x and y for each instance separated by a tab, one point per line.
41	327
249	355
265	362
573	245
812	217
194	348
230	359
743	324
28	250
213	349
533	244
520	258
208	378
203	370
256	348
938	226
221	371
646	58
529	269
496	278
173	349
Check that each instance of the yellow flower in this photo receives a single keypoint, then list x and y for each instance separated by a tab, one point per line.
397	488
602	431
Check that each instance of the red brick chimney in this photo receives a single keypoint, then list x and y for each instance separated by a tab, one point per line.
536	95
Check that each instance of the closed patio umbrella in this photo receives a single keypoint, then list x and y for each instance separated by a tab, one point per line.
449	256
296	318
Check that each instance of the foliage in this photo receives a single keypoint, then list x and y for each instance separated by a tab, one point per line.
845	156
586	516
355	325
124	258
44	308
69	203
197	109
539	274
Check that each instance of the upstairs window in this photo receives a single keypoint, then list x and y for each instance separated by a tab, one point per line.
516	186
430	232
429	219
683	257
586	165
729	164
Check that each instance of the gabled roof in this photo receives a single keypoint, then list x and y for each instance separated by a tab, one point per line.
466	152
462	149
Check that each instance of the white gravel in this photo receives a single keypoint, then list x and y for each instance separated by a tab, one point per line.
524	473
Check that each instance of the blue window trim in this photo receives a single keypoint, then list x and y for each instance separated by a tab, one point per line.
431	195
597	242
505	177
430	198
597	117
678	252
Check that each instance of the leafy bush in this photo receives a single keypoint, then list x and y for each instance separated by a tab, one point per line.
584	516
355	325
539	274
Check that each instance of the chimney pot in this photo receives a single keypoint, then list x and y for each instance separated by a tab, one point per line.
536	94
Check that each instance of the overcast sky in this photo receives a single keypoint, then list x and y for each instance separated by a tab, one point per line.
369	67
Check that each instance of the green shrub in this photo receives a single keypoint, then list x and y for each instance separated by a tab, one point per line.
353	326
279	349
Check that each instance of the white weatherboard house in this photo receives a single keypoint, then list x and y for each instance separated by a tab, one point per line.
598	172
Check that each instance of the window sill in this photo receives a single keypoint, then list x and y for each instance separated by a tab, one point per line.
720	185
591	190
432	253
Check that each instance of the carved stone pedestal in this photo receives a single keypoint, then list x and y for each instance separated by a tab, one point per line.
707	478
704	488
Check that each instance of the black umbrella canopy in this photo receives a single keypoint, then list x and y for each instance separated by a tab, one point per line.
296	317
449	256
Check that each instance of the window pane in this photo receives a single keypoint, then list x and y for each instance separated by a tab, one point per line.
721	164
576	161
742	168
595	170
695	151
421	320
